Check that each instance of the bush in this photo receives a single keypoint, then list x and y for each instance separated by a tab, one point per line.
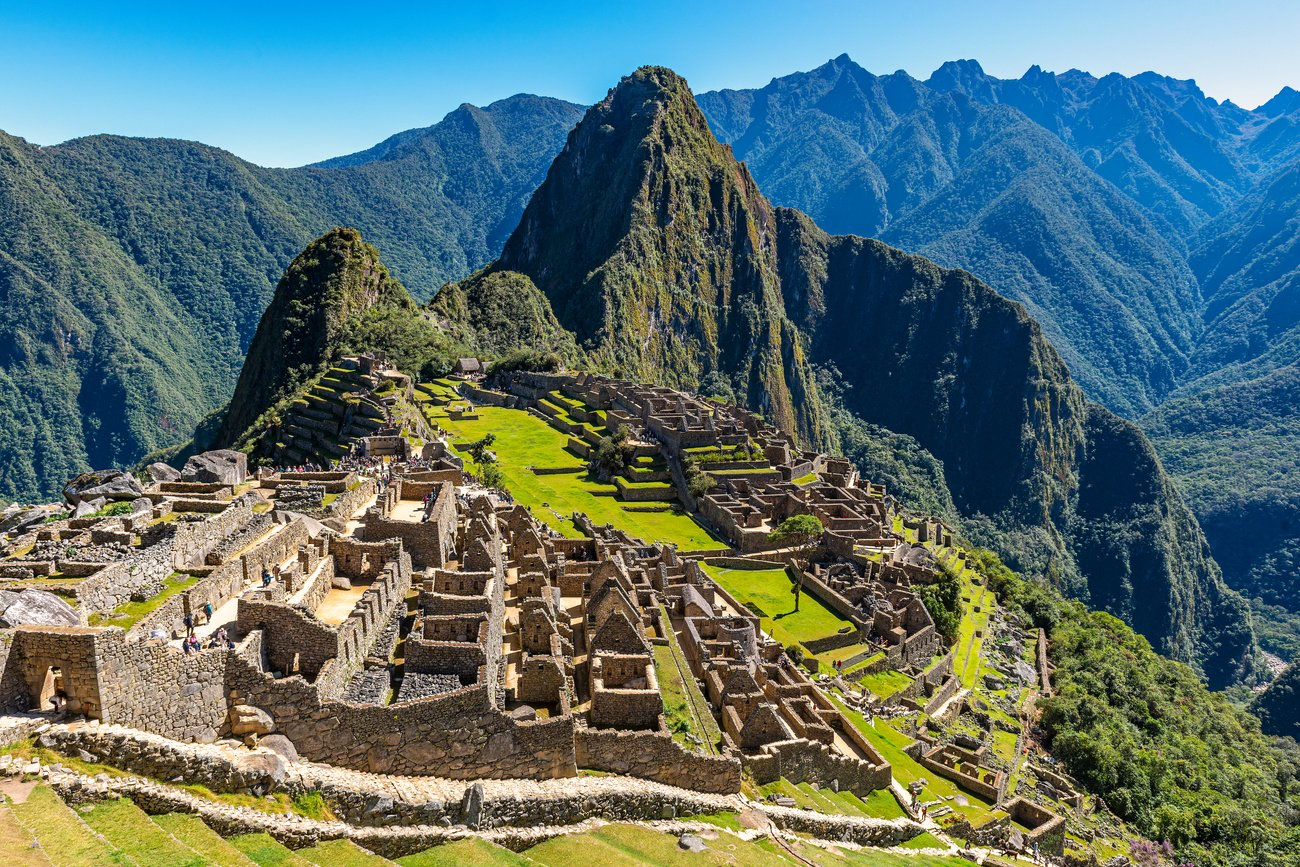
538	360
943	600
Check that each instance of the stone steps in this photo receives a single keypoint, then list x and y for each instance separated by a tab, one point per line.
191	831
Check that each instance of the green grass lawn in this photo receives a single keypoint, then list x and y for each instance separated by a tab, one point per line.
130	829
524	440
633	845
889	742
770	591
62	834
684	704
884	683
130	613
265	850
341	853
471	852
190	830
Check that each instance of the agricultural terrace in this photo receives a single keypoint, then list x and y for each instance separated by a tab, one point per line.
524	441
769	593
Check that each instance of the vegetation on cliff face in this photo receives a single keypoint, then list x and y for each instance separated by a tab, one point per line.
498	312
1235	450
1142	731
1278	707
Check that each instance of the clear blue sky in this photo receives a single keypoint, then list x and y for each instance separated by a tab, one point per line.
289	83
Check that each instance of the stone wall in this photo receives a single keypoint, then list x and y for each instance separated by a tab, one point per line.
461	735
430	543
806	761
157	688
655	756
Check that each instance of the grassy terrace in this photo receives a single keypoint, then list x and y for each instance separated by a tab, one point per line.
130	613
523	441
890	742
769	594
685	708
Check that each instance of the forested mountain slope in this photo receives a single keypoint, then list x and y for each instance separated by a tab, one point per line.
984	188
133	272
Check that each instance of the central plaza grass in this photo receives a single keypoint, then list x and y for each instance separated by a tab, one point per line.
772	592
523	440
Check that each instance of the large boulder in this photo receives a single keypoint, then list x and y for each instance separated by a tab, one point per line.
1024	672
224	466
161	472
86	508
108	484
248	720
20	520
281	746
39	608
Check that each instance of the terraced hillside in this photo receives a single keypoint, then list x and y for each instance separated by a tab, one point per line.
38	829
543	457
341	407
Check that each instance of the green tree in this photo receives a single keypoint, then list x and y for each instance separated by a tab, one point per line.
797	530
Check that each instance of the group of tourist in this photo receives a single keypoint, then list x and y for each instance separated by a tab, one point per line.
300	468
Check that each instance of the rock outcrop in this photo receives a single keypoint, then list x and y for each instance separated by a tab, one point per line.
106	484
36	608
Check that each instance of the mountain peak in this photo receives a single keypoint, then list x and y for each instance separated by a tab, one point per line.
1286	101
655	248
334	280
966	76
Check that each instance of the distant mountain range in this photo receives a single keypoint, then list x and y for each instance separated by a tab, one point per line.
1150	231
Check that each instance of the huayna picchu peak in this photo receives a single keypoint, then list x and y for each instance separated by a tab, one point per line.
653	246
807	474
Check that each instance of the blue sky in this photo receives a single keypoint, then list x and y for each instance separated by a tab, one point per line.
289	83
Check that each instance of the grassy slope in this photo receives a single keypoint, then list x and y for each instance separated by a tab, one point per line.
63	834
524	441
770	590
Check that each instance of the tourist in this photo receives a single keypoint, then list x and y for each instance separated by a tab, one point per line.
266	577
207	612
188	620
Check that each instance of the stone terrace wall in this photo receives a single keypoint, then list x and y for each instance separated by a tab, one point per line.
655	756
157	688
805	761
115	583
461	735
